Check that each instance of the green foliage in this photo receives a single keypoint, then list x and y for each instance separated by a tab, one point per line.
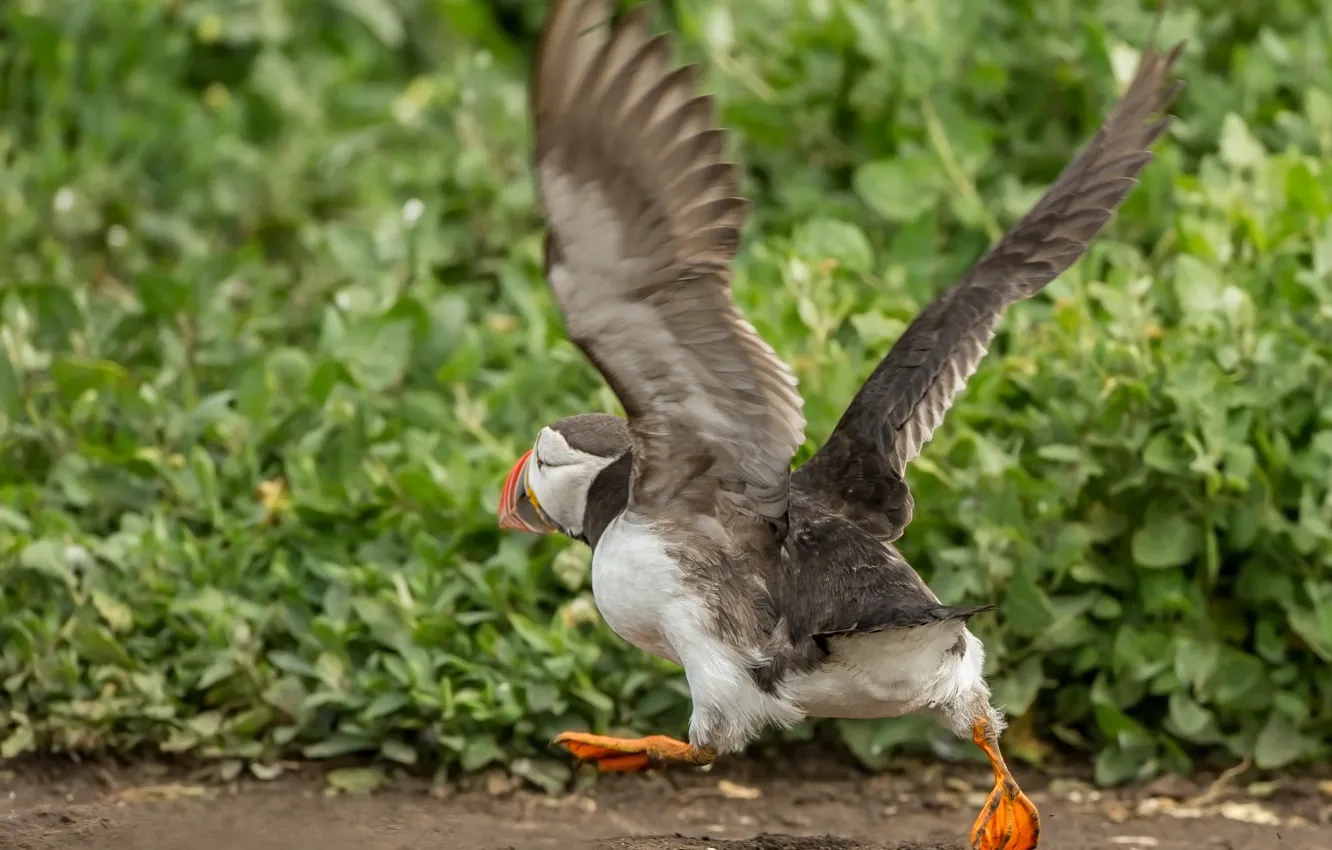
274	330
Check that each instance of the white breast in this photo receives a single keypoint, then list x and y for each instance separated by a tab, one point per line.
641	594
635	582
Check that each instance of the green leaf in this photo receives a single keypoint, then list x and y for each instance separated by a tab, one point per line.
386	704
901	189
339	745
871	38
479	751
377	352
206	725
874	742
165	295
395	750
825	238
12	520
59	315
1165	539
19	742
117	614
1103	524
1026	607
1195	660
1278	744
100	646
1315	626
877	329
1198	287
1191	720
356	780
1117	764
1239	682
11	392
549	775
1239	148
573	566
77	375
1161	452
1016	691
49	558
379	16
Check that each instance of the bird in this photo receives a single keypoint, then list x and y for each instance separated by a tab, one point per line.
780	591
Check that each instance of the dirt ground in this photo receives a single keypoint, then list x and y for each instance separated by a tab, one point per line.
809	804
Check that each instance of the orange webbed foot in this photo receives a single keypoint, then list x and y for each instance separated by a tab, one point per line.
625	755
1009	820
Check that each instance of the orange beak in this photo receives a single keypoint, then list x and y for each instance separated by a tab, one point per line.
518	507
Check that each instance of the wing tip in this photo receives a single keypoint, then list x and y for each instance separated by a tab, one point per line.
556	36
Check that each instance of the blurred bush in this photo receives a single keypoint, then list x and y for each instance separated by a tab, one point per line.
274	330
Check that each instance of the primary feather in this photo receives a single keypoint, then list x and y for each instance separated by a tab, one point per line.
644	220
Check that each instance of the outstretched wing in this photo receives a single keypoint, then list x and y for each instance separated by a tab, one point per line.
643	224
861	469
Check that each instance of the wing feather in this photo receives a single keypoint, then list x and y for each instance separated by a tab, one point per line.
644	219
862	467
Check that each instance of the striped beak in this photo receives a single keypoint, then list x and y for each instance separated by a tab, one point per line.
518	507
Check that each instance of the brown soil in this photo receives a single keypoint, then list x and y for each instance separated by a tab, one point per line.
761	842
806	805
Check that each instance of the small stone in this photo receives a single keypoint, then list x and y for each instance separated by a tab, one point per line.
735	791
499	783
1249	813
442	791
1262	790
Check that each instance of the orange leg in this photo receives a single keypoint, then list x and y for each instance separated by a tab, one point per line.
624	755
1009	820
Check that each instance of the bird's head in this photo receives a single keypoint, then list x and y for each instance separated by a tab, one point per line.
574	480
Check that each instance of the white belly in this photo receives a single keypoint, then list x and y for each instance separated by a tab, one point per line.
635	583
894	672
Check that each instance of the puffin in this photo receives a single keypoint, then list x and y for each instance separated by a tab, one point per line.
780	592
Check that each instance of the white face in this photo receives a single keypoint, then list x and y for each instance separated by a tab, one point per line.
560	476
